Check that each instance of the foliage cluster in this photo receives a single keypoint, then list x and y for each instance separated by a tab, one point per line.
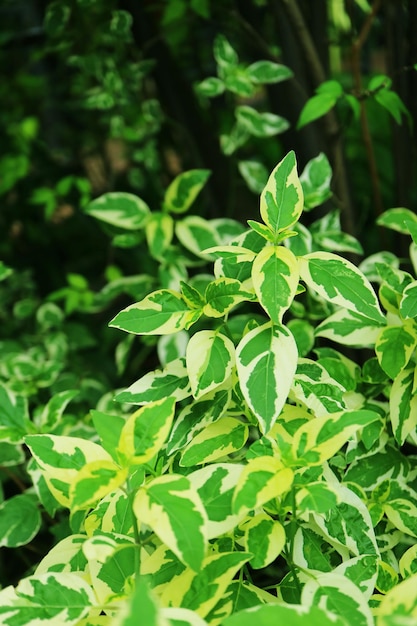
262	463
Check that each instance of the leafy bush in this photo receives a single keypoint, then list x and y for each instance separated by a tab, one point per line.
262	473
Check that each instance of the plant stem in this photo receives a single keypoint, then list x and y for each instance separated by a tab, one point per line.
131	495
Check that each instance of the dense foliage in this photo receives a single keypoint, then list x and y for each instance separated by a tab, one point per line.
207	375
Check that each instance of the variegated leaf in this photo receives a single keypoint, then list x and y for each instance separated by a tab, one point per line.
198	415
215	485
401	602
161	313
350	329
400	506
120	209
316	389
217	440
263	478
207	587
320	438
59	598
403	405
348	527
275	279
222	295
111	565
159	231
396	219
210	359
197	234
171	381
315	181
65	556
408	304
362	571
266	360
338	281
408	562
184	189
338	594
145	432
264	537
282	198
94	481
174	511
394	347
61	458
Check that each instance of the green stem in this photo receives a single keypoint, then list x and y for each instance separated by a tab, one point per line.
131	495
290	550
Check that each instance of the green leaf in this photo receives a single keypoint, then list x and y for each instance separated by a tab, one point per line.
224	54
392	103
184	189
145	432
172	381
20	520
275	279
394	347
223	294
265	538
210	359
315	181
282	198
338	281
120	209
14	416
5	271
141	603
173	510
263	72
260	124
262	479
219	439
316	107
210	87
57	597
266	360
56	18
396	219
161	313
288	614
159	232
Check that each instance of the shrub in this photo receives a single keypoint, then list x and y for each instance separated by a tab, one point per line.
262	474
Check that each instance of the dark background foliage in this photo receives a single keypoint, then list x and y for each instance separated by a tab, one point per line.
99	95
